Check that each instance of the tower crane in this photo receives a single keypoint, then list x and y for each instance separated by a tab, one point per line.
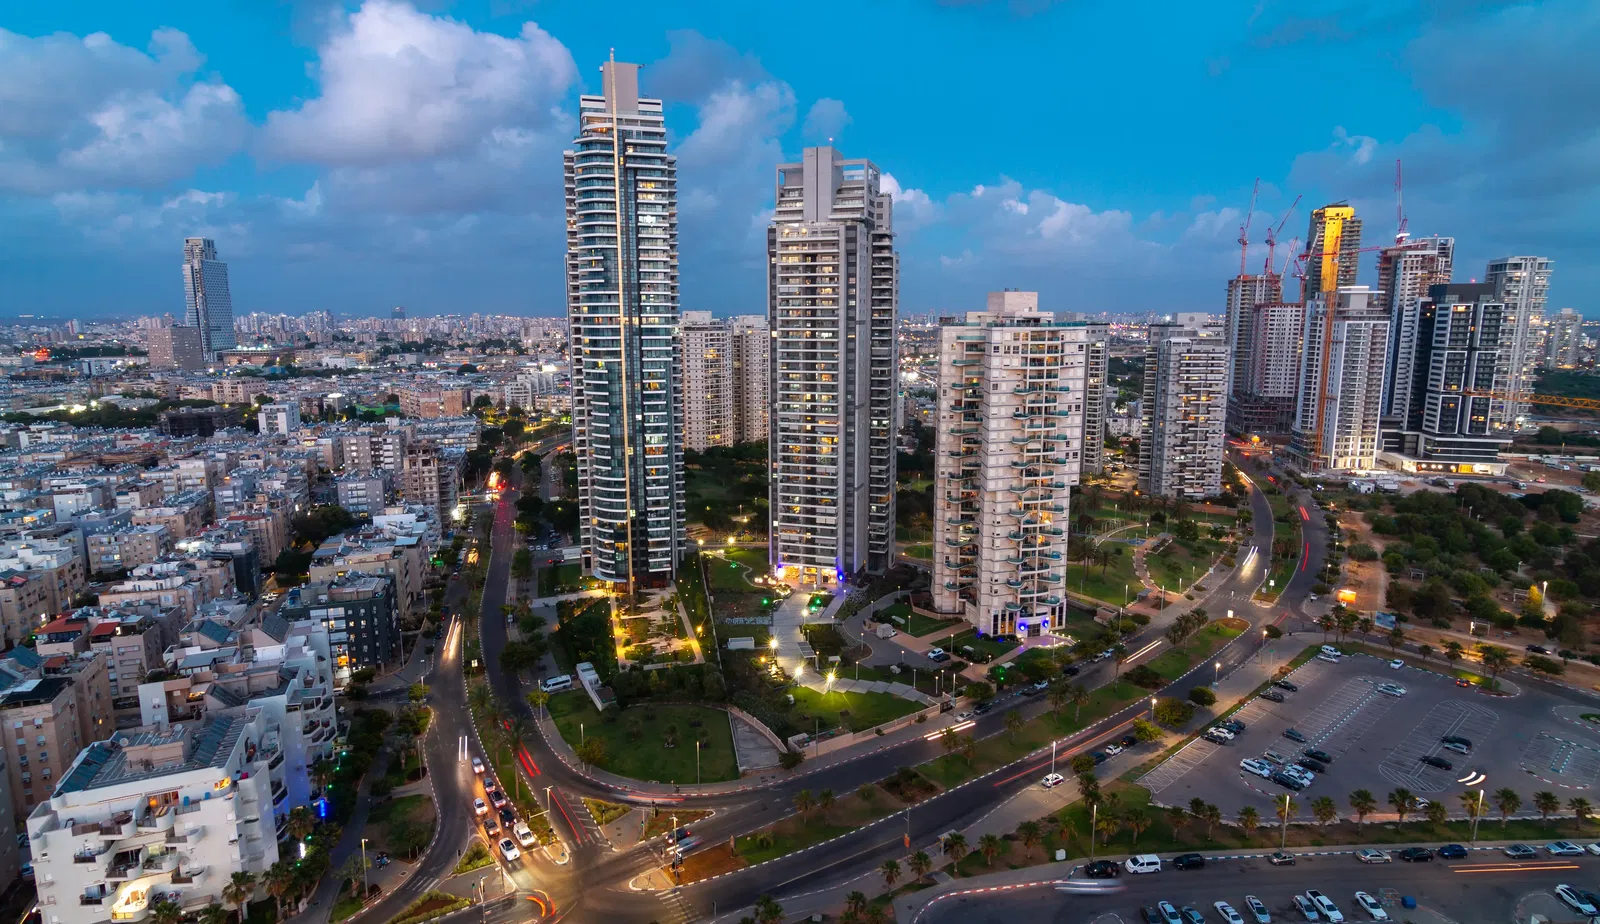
1272	236
1400	232
1244	229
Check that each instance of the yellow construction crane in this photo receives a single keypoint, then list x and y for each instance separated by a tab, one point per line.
1588	404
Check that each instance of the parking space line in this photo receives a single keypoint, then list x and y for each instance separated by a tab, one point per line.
1403	764
1174	767
1577	761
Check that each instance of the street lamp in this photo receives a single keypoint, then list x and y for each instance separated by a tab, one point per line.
1216	672
1475	816
363	870
1152	707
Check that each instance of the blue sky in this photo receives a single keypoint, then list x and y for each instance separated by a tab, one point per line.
350	157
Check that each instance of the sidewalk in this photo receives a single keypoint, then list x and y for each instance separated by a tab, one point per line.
327	891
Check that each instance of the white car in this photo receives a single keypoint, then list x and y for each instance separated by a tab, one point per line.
524	834
508	849
1143	863
1229	916
1593	848
1053	780
480	808
1576	901
1391	689
1371	906
1221	732
1112	750
1564	849
1372	856
1396	664
477	765
1331	659
963	717
1257	766
1258	910
1326	906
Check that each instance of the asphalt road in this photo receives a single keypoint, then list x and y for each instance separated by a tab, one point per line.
1465	890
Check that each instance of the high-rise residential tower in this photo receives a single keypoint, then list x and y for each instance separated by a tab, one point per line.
832	294
707	381
1565	343
1333	243
176	348
1244	293
1271	380
1340	395
205	289
622	306
1523	283
1182	434
1439	414
1010	440
751	339
1406	272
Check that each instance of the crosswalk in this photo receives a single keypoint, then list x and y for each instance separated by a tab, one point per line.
677	909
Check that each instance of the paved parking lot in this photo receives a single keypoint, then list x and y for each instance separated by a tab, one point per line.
1531	741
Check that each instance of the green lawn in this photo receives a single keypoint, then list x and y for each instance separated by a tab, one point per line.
1115	584
1182	563
985	645
635	738
854	711
921	550
913	623
1174	662
389	810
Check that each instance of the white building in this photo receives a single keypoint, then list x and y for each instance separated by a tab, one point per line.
832	291
280	418
1405	273
1342	378
1565	339
1010	442
707	381
156	813
1523	284
1182	433
622	304
1244	293
751	341
209	306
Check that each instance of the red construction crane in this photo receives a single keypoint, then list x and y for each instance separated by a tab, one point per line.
1272	235
1400	233
1244	229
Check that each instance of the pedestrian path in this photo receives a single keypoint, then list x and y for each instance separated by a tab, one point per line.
843	685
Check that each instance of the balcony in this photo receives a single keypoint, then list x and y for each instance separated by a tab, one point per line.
91	899
132	905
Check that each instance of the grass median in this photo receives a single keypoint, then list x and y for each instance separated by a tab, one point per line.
651	741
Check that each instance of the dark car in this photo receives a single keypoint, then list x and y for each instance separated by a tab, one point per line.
983	707
508	817
1287	781
1289	685
1538	649
1439	762
1294	735
1323	756
1129	741
1272	696
1072	670
1150	915
1415	854
1456	739
490	827
1102	869
1233	725
1452	852
1099	757
1188	861
1312	764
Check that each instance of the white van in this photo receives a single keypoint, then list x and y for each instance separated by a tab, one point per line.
1143	863
1332	652
556	684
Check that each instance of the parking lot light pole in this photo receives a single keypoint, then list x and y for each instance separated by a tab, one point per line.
1283	841
1475	816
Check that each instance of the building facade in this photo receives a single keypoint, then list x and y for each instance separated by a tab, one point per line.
1244	293
208	305
1564	346
707	381
1523	284
174	347
1182	432
1333	244
1010	442
279	418
360	615
1342	378
751	342
1406	272
1264	402
622	307
832	296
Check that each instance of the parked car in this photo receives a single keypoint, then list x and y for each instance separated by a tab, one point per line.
1272	696
1102	869
1315	766
1576	901
1233	725
1150	915
1322	756
1436	761
1257	910
1520	852
1192	915
1458	748
1370	855
1391	689
1279	858
1305	907
1294	735
1258	767
1289	685
1287	781
1452	852
1396	664
1052	780
1072	670
1564	849
1456	739
1538	649
1128	741
1188	861
1229	916
1371	906
1143	863
1169	913
1326	906
1100	757
1113	749
1415	854
1215	736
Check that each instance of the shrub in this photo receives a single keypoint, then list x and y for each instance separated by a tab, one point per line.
1361	551
1173	713
1202	696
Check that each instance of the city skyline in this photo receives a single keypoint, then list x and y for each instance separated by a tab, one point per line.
260	159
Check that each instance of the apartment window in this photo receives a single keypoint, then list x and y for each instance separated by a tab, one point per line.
41	740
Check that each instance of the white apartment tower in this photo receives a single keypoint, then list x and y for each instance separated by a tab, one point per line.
832	294
209	307
707	382
751	339
1274	371
1566	339
1244	293
1342	378
1010	442
622	305
1406	272
1182	432
1523	284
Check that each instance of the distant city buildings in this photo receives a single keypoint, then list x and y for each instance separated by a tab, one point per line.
751	342
175	347
1182	434
209	307
1565	344
707	381
833	292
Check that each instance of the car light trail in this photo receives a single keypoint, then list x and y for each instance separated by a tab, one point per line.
1473	779
1512	867
958	727
1304	554
1142	652
1304	517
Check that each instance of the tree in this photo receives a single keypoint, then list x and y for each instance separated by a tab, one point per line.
955	846
593	752
279	880
1581	809
1089	789
163	911
237	891
1472	803
1014	723
1425	652
1436	813
213	914
1326	623
538	699
1203	696
1495	660
854	904
1403	803
977	689
1249	820
920	864
1030	833
891	873
1146	731
1506	802
1362	804
1138	821
768	911
1396	638
1082	763
969	748
1173	713
804	802
1107	827
301	822
1211	816
1325	811
1546	803
949	741
1079	695
1452	653
1287	808
825	802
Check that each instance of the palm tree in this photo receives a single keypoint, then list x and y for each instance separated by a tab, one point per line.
1403	803
1078	694
854	904
955	846
279	880
1212	818
1495	660
520	729
804	802
165	912
1326	624
1058	697
1436	813
825	801
1107	827
1363	804
1581	809
1014	722
920	864
1546	803
1506	802
768	911
1364	624
891	873
1397	637
949	741
1249	820
240	887
1089	789
301	822
1452	653
989	847
1030	832
1138	821
1287	809
1472	802
479	698
213	914
1325	810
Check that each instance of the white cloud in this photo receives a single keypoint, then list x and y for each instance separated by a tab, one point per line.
398	85
88	112
1359	146
825	121
913	208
